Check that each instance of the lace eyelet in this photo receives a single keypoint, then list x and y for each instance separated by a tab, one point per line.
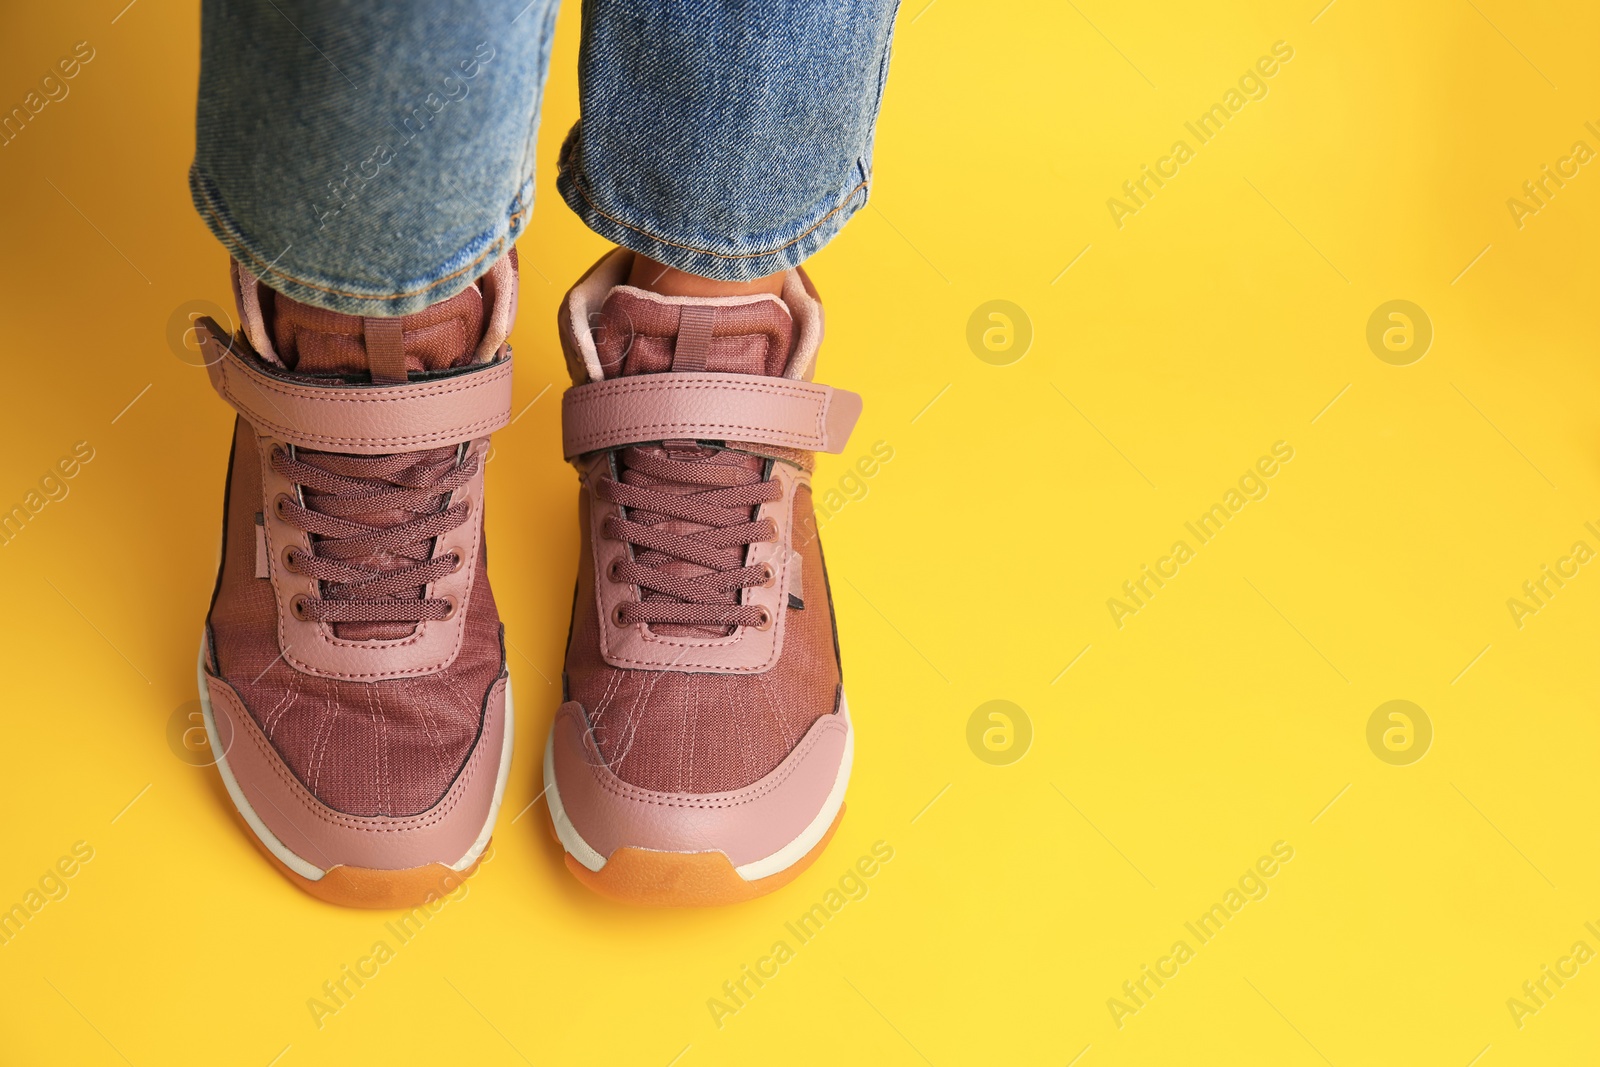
297	608
766	619
277	505
615	567
288	560
768	576
459	561
450	612
616	615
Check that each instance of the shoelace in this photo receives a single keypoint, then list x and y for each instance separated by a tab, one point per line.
344	486
716	499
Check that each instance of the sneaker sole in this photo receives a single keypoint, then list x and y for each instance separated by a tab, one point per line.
342	884
636	875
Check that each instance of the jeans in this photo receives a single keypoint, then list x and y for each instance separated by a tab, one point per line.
375	157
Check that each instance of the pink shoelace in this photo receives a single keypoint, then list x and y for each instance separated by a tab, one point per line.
690	520
353	557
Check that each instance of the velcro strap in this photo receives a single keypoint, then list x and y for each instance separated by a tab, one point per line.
360	419
704	406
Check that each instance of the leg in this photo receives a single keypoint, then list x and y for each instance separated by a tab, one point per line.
367	165
703	750
728	140
364	157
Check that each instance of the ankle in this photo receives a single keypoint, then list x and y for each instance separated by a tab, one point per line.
656	277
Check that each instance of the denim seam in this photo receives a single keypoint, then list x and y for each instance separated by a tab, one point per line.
883	80
492	252
578	183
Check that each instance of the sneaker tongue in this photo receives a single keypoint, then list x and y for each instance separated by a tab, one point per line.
383	560
639	332
313	341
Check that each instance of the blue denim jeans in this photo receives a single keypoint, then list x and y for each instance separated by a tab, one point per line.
374	157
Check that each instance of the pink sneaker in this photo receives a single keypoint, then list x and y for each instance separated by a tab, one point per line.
352	674
702	753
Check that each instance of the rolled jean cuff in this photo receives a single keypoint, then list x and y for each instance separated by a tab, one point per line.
428	279
729	257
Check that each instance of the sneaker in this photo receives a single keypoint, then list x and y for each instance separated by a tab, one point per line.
702	751
352	674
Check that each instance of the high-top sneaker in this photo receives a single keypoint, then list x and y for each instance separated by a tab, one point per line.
703	748
352	675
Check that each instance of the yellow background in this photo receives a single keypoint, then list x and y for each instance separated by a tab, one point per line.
1223	717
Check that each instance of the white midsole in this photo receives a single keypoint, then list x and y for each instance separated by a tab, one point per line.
300	866
780	860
